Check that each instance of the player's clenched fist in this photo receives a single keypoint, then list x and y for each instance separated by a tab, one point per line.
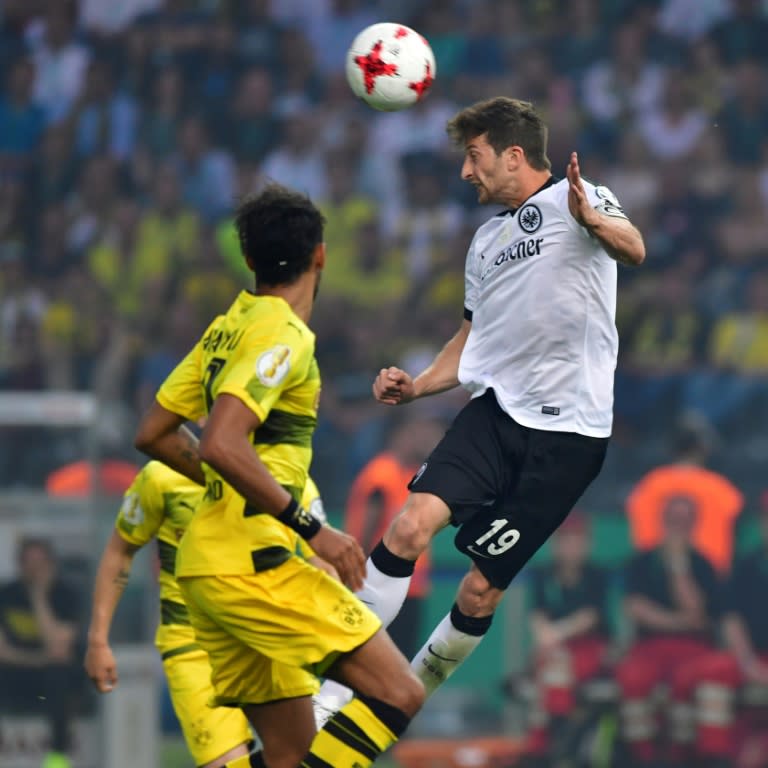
344	553
393	386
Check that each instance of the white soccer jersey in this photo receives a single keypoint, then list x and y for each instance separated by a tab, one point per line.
541	294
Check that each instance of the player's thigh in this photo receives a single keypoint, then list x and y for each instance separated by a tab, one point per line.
240	674
294	614
473	464
209	732
554	472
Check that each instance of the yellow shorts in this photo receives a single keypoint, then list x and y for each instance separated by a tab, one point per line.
208	731
268	634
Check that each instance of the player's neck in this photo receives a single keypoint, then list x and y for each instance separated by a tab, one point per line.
299	295
529	182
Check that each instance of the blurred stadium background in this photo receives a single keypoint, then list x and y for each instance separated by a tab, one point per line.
127	131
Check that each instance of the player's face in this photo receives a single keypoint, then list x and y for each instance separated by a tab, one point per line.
485	170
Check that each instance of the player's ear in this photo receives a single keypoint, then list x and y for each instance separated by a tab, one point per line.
514	156
249	262
318	256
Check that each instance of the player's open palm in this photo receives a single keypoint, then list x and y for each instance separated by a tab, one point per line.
578	204
101	667
393	386
343	553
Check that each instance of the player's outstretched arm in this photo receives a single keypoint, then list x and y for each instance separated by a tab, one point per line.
111	579
394	386
162	435
621	240
226	446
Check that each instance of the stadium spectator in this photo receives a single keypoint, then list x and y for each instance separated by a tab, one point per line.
716	500
162	113
731	389
570	636
207	174
727	727
741	33
376	496
663	341
258	34
60	60
744	116
673	127
22	120
104	117
40	625
255	128
671	599
297	161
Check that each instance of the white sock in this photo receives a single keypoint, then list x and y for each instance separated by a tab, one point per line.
385	596
442	654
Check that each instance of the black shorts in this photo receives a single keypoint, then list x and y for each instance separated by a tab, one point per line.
508	487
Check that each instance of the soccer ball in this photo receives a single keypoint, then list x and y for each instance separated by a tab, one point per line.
390	66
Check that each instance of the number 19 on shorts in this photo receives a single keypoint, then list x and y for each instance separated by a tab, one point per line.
504	542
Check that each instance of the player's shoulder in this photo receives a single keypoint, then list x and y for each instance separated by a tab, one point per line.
161	478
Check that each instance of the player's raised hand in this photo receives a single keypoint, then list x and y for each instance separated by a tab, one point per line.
393	386
343	553
578	204
101	667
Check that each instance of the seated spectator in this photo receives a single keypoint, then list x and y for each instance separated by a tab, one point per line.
60	60
671	600
723	738
662	341
742	33
22	120
570	637
717	500
744	117
40	623
732	390
105	118
162	113
673	128
207	173
254	127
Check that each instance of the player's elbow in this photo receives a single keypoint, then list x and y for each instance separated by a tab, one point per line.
145	438
636	256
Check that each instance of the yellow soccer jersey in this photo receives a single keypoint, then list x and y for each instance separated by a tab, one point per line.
159	504
263	354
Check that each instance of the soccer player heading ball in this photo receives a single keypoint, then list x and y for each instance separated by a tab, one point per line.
537	349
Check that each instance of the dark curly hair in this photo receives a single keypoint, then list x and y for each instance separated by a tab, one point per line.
505	122
278	230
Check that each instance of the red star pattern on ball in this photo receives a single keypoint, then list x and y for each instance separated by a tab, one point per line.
401	32
422	86
373	67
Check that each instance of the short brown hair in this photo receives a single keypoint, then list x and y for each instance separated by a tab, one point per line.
506	123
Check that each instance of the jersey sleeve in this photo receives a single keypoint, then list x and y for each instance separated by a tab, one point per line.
471	282
182	392
267	367
143	509
602	199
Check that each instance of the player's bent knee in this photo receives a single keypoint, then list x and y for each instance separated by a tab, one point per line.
405	693
407	537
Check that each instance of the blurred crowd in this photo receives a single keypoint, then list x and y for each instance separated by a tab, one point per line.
129	130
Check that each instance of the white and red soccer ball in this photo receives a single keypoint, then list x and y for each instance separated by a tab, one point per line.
390	66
